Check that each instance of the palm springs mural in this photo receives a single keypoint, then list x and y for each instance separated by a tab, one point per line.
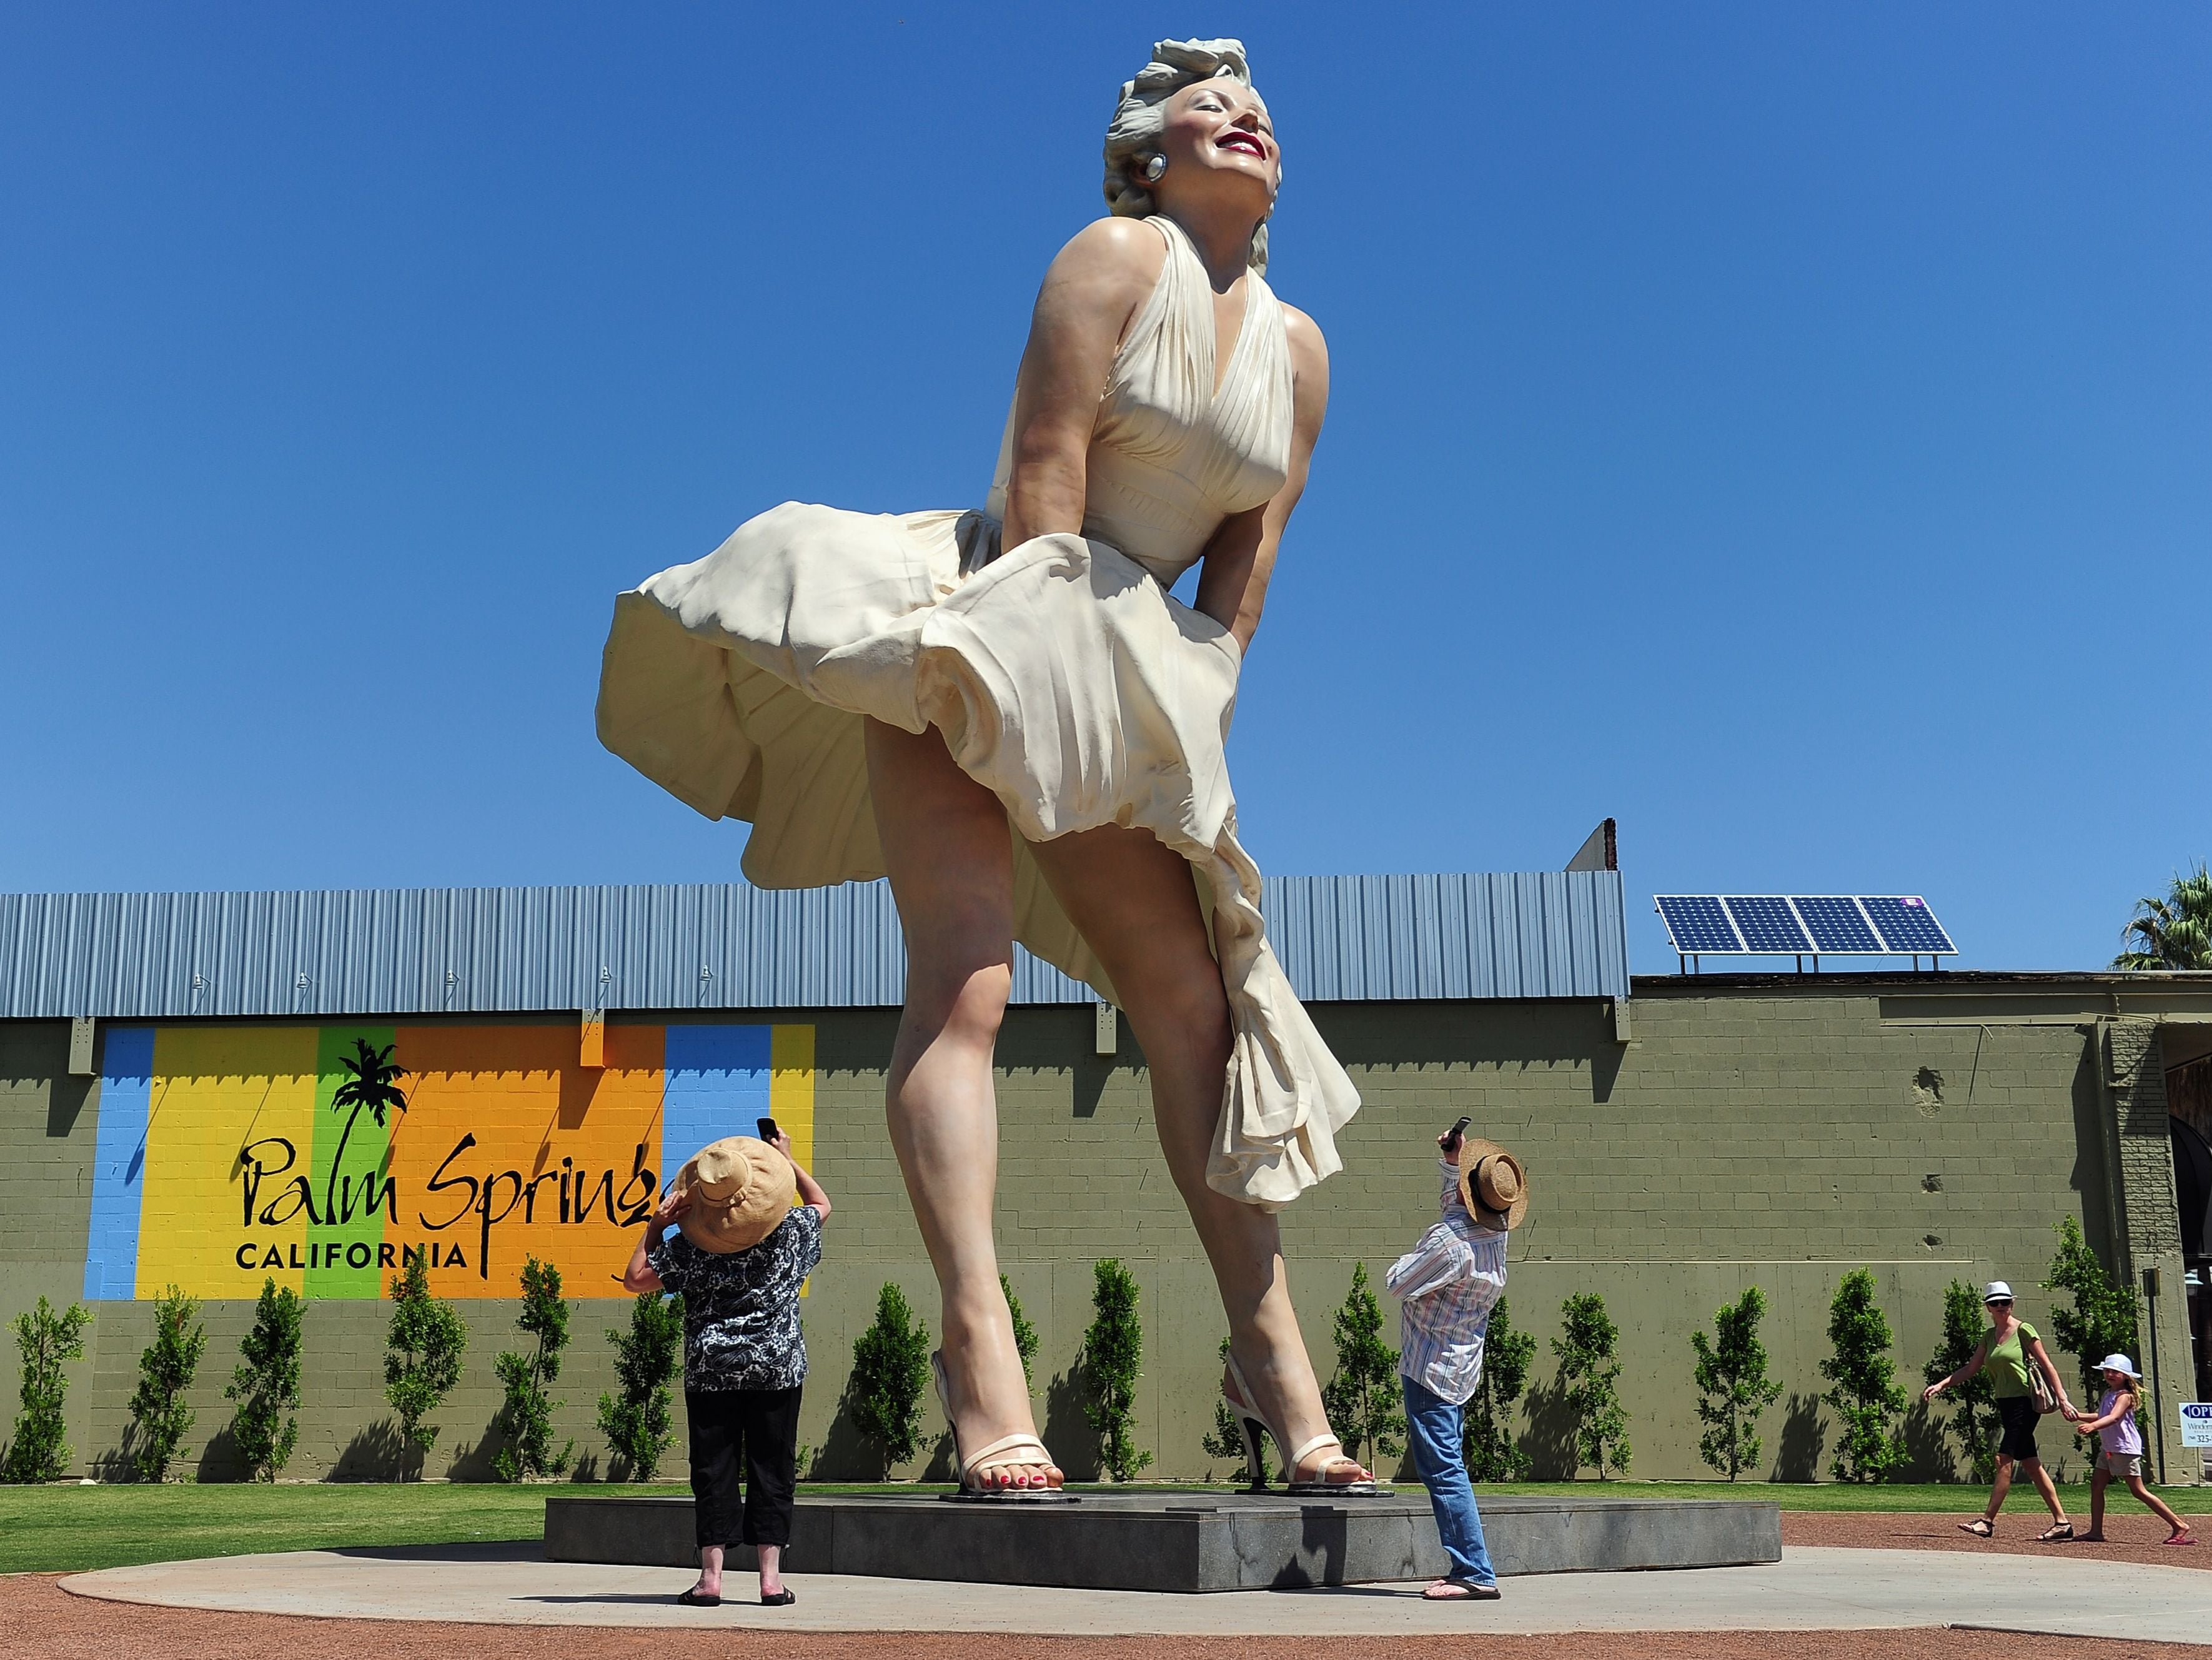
330	1157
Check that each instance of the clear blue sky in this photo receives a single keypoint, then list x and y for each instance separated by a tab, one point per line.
1786	430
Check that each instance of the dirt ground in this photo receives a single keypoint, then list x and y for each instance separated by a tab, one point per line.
2131	1534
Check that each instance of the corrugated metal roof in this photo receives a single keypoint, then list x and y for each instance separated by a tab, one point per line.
481	951
1386	939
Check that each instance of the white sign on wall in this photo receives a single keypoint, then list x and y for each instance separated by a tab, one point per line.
2196	1423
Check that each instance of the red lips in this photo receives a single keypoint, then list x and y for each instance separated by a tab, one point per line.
1245	142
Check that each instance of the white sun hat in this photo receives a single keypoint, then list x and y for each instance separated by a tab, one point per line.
1996	1291
2119	1363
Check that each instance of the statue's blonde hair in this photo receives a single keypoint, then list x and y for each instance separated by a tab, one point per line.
1138	122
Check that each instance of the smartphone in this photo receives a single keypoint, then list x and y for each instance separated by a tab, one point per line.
769	1132
1459	1129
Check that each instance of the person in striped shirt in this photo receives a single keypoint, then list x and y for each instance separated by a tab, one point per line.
1447	1285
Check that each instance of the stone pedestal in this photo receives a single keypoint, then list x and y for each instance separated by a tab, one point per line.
1163	1541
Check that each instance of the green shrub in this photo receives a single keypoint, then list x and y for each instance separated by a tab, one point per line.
422	1358
1589	1374
1732	1383
639	1422
266	1384
160	1420
49	1338
1025	1334
1364	1404
1488	1442
891	1369
1113	1351
525	1419
1865	1397
1225	1439
1974	1422
2106	1318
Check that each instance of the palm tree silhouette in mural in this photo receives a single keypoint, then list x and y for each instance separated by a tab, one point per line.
372	1086
371	1082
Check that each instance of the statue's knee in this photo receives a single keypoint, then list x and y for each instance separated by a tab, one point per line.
975	1007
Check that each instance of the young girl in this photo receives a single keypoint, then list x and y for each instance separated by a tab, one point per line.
2120	1450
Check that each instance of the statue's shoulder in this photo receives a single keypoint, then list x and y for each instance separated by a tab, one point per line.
1117	251
1304	335
1309	358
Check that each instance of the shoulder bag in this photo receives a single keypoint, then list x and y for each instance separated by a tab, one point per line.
2039	1386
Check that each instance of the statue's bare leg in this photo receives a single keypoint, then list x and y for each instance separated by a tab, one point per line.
1133	900
949	857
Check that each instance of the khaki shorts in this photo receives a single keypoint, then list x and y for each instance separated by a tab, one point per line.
2120	1465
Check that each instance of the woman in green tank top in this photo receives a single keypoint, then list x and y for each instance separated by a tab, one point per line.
2008	1349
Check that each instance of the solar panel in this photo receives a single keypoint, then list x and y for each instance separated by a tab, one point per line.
1767	923
1698	922
1908	925
1836	924
1803	924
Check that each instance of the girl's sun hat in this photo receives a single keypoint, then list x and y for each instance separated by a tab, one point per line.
1491	1183
2119	1363
1996	1291
740	1189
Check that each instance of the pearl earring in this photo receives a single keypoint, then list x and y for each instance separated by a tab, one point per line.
1155	167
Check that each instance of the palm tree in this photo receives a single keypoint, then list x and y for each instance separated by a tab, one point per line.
2173	933
372	1081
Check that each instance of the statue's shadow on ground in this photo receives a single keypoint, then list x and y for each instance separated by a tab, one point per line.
466	1550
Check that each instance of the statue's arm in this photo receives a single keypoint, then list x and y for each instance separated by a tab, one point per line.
1091	296
1232	585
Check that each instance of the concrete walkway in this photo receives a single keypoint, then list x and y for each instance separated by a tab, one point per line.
1809	1590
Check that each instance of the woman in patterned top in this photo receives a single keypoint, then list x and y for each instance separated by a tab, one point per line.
741	1255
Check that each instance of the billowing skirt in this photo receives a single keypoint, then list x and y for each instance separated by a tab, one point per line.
1064	680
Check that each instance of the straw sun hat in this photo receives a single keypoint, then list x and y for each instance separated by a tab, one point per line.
740	1189
1491	1183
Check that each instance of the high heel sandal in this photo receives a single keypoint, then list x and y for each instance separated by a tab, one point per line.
1251	1423
1005	1453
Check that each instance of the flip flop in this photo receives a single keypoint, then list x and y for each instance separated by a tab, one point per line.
2059	1533
2180	1539
782	1599
695	1598
1979	1526
1469	1592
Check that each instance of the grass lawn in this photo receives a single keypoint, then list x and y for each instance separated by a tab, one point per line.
70	1529
59	1528
1850	1495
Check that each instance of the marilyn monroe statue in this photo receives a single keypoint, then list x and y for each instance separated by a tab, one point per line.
1007	712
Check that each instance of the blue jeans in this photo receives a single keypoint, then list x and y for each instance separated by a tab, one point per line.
1435	1427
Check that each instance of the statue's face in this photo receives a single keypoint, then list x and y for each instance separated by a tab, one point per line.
1217	137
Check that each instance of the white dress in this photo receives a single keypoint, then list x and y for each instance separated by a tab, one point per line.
1064	676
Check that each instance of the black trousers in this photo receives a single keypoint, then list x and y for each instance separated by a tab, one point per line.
757	1429
2017	1415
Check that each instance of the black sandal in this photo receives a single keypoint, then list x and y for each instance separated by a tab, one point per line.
1979	1526
695	1598
2059	1533
782	1599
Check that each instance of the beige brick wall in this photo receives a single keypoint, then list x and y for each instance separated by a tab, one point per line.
1777	1139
